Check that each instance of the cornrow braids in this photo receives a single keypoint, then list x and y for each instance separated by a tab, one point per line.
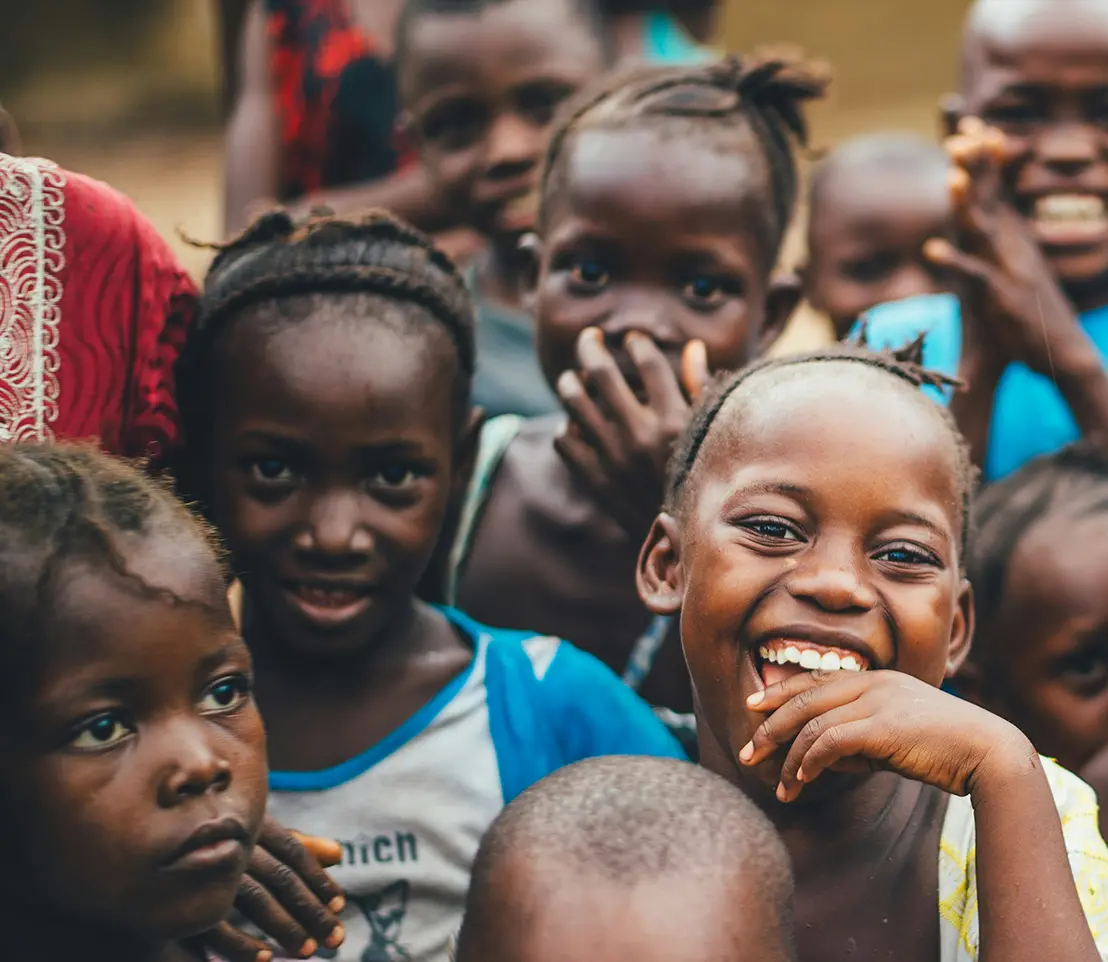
766	94
62	502
1072	481
277	260
903	364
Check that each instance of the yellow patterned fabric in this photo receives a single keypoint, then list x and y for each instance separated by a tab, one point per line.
1088	856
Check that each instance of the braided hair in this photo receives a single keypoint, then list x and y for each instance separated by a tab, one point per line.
63	502
287	268
765	95
903	365
1071	482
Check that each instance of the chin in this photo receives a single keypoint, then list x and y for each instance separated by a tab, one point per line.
201	912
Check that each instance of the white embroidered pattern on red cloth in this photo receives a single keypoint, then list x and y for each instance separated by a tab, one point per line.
32	255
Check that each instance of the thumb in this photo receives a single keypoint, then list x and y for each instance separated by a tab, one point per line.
694	369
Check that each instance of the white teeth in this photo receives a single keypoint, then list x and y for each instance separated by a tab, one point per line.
850	663
1080	213
829	662
809	659
789	656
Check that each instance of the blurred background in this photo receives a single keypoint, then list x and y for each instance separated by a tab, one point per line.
128	90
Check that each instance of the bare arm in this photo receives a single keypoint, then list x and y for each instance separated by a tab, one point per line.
1027	899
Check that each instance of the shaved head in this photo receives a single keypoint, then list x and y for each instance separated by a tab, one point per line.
630	859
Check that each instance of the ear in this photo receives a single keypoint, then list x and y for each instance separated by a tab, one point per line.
781	301
530	248
659	578
10	141
952	108
961	632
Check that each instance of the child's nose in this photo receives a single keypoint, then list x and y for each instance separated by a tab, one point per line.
1070	147
197	767
835	587
335	526
512	146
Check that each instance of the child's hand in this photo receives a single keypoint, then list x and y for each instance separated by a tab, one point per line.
879	720
1015	309
617	444
287	895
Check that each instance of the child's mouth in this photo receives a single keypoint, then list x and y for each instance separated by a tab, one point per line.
1065	219
781	658
328	605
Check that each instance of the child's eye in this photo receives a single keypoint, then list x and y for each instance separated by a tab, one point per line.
539	102
588	276
225	694
1015	114
100	732
270	471
903	554
771	529
397	475
870	270
454	126
704	292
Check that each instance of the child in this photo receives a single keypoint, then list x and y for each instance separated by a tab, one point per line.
326	403
665	198
1032	254
874	203
481	81
813	545
133	754
1039	566
630	860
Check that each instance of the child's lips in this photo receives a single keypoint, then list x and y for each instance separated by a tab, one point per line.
1068	219
328	604
781	654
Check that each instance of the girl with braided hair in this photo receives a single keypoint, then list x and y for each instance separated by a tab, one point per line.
812	546
325	404
665	196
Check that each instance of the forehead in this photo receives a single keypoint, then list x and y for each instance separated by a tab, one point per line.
845	437
869	197
387	366
652	182
498	46
1062	43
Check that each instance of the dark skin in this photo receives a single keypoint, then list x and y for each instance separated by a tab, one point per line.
1040	79
866	234
1043	658
675	918
788	531
123	748
481	93
643	285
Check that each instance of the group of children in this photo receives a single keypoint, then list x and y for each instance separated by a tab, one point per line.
790	559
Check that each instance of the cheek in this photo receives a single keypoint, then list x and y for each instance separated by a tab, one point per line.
924	618
246	751
453	172
730	335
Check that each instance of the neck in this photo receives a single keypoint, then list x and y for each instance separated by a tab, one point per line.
500	274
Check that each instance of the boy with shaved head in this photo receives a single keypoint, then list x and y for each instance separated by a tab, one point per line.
630	860
1030	191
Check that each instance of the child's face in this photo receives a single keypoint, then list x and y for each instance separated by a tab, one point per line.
1039	72
654	234
667	920
136	783
482	91
827	519
334	453
1048	670
866	240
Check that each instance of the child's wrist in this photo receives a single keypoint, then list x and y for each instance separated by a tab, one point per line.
1009	759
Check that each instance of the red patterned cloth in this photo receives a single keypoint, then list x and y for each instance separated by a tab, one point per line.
335	99
94	308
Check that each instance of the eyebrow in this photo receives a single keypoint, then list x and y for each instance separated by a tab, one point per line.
912	517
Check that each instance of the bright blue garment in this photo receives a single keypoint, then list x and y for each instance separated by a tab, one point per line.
667	43
1030	418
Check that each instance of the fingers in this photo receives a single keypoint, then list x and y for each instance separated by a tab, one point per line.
800	707
287	849
850	739
694	369
582	461
978	151
585	416
326	851
827	728
974	270
598	370
285	909
229	943
663	390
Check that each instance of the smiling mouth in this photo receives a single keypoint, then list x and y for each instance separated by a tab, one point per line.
328	605
781	658
1065	219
